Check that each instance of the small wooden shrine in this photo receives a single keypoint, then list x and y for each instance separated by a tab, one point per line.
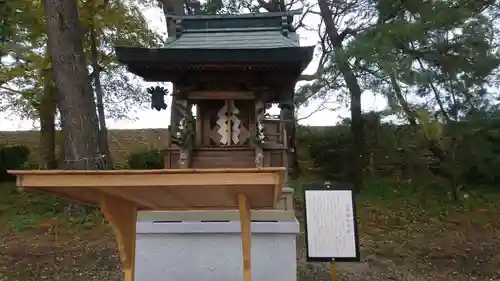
232	68
229	155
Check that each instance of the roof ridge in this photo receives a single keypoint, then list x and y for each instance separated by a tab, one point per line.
233	29
229	16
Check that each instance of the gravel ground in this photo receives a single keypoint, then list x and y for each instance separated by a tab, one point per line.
91	255
372	269
375	268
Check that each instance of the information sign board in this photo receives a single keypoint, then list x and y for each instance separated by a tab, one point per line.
330	223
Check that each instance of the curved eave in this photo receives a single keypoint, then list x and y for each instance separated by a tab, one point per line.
174	59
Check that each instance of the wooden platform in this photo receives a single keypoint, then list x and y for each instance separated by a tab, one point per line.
177	189
121	193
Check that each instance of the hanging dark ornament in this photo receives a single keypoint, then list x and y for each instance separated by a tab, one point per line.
158	97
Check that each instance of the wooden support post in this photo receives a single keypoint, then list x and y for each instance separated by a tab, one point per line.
246	236
260	111
199	126
122	214
333	271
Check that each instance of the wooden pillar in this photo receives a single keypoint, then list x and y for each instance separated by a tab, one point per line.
246	236
122	214
259	117
199	125
186	115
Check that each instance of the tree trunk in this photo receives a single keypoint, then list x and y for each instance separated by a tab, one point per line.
432	145
74	92
103	130
47	115
357	125
402	101
61	156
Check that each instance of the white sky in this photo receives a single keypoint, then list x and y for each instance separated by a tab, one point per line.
149	118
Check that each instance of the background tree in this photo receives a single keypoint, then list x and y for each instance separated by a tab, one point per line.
445	62
125	20
399	49
27	71
74	92
340	22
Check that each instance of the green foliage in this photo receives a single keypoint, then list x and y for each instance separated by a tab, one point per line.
401	153
431	60
433	198
329	150
25	57
442	51
477	149
11	158
150	159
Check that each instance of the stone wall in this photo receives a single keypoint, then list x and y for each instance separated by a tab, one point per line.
122	142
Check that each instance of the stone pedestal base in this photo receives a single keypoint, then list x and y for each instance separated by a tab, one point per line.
211	251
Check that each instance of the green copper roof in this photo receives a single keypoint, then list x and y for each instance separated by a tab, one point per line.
247	31
235	40
261	48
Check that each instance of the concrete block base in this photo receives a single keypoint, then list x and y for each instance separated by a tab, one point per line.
211	251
